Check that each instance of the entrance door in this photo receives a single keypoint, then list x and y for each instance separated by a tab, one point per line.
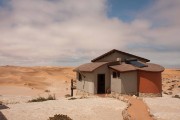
101	83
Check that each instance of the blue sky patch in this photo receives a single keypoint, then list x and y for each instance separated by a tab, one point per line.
126	10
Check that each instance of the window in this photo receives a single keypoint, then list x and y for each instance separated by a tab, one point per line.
80	77
118	74
114	75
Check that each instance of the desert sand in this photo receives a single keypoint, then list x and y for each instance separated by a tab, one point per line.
33	81
171	82
20	84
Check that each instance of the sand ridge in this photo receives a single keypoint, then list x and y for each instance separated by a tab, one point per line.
34	80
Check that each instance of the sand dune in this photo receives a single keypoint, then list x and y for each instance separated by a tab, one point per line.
54	79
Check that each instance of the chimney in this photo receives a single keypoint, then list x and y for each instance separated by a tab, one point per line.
118	60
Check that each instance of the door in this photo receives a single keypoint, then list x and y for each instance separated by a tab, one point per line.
101	83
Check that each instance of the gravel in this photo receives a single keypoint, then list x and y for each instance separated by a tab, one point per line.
166	108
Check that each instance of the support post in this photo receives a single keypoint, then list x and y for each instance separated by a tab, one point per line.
71	87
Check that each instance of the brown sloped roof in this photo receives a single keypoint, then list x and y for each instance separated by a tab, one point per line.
114	50
123	67
127	67
89	67
152	67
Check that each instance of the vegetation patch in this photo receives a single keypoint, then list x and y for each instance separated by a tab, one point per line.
47	91
176	96
60	117
41	99
67	95
73	98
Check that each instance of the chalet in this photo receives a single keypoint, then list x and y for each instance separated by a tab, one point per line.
120	72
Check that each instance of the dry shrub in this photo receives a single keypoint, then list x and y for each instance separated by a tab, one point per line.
47	91
67	95
60	117
41	99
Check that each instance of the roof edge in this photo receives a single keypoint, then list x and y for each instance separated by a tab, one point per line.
114	50
77	69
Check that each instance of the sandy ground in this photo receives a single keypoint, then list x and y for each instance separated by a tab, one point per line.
79	109
171	82
164	108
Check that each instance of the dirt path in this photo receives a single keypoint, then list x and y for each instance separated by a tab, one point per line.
138	110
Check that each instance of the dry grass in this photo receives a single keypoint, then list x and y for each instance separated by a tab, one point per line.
41	99
60	117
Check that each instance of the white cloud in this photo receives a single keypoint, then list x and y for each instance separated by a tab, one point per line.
53	32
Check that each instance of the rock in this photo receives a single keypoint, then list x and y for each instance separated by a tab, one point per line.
126	100
134	96
169	93
176	96
170	88
121	98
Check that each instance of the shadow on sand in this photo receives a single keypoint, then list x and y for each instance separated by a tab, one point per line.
2	117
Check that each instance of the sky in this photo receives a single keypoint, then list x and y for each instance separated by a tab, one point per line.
73	32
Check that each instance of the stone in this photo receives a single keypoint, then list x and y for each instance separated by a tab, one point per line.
134	96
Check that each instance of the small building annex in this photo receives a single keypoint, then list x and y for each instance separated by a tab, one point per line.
120	72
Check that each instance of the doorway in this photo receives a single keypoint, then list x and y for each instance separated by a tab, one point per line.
101	83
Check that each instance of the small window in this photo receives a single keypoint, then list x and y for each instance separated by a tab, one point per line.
114	75
118	74
80	77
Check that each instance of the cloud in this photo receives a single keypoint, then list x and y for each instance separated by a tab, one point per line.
69	32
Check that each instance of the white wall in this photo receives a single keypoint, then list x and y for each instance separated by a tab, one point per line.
87	83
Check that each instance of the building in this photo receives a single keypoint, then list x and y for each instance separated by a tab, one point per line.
120	72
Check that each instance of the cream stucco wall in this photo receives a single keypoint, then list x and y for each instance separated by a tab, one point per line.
126	83
102	70
114	56
89	83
